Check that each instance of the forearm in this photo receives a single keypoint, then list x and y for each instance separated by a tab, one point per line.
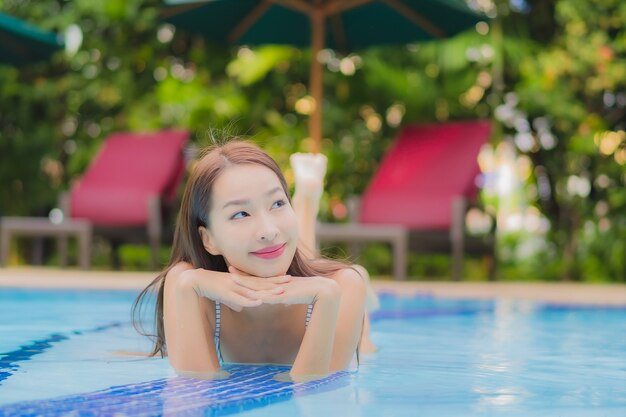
189	301
314	356
309	170
306	209
193	351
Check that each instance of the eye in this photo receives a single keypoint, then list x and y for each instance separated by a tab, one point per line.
239	215
279	204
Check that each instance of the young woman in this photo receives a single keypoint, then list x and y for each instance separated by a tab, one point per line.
237	287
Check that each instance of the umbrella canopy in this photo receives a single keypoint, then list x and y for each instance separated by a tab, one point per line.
339	24
21	42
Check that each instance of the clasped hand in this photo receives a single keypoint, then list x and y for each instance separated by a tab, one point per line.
238	290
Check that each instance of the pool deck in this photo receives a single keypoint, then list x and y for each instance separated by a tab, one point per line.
595	294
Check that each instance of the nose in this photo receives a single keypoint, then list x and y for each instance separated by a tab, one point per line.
267	231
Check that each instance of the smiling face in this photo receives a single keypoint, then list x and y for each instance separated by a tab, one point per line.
251	223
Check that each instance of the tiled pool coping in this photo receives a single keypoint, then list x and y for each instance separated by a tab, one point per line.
605	294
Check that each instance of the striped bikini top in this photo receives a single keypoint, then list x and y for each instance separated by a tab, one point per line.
218	324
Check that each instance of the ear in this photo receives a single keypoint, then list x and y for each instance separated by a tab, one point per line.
207	241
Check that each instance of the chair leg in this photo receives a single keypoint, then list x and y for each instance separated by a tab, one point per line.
5	245
62	249
457	234
115	255
155	246
400	258
37	251
490	262
155	220
354	251
457	259
84	249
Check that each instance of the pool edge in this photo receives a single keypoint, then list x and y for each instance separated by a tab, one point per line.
597	294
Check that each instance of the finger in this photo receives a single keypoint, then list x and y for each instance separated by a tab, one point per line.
273	299
284	298
234	307
259	294
264	282
273	291
239	301
258	284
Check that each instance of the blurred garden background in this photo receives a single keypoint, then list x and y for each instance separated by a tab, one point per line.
550	74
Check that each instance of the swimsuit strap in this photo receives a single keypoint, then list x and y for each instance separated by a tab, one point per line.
309	311
218	321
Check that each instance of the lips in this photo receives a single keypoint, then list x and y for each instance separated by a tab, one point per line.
270	252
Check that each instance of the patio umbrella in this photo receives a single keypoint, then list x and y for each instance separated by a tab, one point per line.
339	24
21	42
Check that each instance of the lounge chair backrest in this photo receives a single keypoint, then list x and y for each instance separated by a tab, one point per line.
130	169
427	167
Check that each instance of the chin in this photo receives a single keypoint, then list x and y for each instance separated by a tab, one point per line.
273	272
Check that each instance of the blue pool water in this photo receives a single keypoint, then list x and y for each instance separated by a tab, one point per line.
437	358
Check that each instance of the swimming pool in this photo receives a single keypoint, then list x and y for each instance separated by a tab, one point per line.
438	357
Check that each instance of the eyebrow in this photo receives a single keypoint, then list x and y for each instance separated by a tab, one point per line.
247	201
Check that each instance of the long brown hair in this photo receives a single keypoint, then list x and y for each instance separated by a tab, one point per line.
194	212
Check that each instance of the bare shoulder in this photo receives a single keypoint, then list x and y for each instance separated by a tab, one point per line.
175	273
349	279
179	268
174	278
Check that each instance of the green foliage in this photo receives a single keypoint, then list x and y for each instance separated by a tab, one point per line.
564	59
252	66
578	82
53	115
137	257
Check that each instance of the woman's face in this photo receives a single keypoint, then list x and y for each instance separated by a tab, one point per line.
251	223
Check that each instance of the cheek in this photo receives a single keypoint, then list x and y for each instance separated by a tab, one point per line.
224	235
291	223
231	237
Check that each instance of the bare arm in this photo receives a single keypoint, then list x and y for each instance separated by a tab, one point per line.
350	319
315	353
187	329
334	330
306	209
309	171
188	332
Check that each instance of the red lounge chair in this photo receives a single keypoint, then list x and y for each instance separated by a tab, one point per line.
423	185
129	188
